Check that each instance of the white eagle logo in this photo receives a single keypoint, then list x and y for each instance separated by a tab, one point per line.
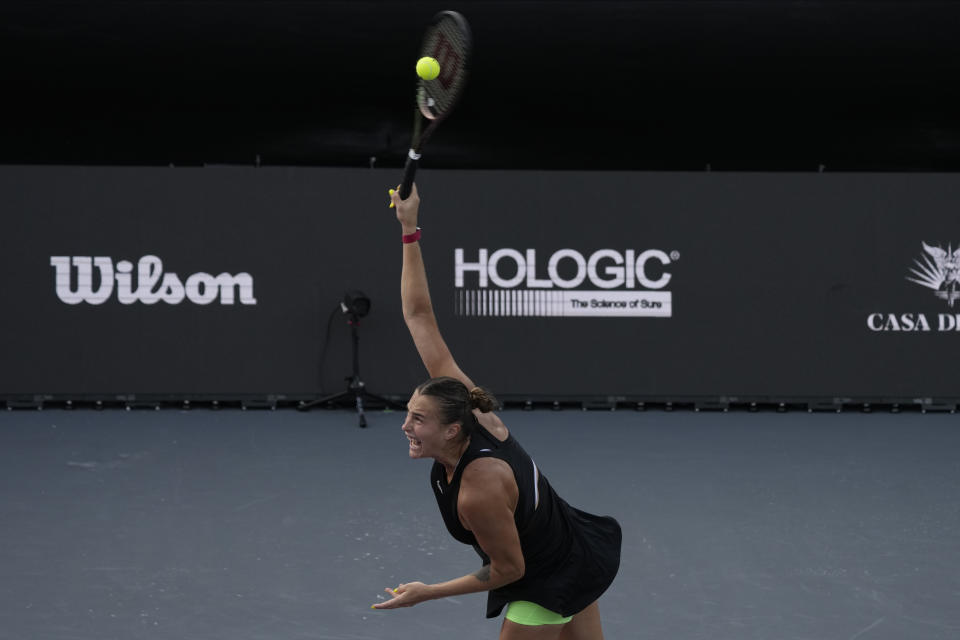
941	273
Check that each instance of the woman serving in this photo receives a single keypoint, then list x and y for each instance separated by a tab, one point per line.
543	560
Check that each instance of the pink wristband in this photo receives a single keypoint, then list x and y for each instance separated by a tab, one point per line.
411	237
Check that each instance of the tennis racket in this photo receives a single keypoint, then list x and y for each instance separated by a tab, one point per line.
448	40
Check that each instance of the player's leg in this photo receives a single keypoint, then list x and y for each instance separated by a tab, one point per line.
584	626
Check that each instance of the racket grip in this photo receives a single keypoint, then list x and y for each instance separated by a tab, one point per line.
409	171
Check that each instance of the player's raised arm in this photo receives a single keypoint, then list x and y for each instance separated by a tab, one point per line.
415	296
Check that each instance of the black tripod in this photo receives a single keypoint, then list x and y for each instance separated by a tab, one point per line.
355	389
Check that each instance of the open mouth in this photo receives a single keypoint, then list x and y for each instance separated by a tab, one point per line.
414	443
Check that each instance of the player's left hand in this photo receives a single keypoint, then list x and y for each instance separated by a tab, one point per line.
405	595
408	209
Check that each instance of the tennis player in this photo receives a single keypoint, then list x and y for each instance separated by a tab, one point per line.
543	560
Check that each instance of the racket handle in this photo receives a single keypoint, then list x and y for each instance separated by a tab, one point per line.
409	171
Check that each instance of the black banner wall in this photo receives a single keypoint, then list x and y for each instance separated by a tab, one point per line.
220	282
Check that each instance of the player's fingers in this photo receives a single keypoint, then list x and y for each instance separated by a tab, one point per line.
389	604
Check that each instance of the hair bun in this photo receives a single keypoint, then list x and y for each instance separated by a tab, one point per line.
482	399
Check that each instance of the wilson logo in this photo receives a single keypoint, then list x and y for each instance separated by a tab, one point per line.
95	279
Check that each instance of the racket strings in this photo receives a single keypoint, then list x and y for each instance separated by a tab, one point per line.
449	44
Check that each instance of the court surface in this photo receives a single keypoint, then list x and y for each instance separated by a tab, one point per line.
277	525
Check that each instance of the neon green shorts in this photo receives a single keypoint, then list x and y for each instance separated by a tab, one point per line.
533	615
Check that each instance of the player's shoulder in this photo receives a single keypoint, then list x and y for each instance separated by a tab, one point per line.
485	476
485	483
492	423
484	469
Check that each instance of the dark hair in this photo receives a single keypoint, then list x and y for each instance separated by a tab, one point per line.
456	403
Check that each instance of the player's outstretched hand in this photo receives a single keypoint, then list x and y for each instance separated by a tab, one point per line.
405	595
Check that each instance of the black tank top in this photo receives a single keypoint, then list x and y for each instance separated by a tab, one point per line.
571	557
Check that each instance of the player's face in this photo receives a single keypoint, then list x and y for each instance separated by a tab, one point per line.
427	435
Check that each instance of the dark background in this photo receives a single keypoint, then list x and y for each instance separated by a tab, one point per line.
752	85
775	278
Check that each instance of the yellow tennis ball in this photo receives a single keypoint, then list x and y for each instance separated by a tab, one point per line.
428	68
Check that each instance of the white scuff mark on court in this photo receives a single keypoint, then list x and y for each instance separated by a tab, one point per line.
89	466
254	502
867	628
123	460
